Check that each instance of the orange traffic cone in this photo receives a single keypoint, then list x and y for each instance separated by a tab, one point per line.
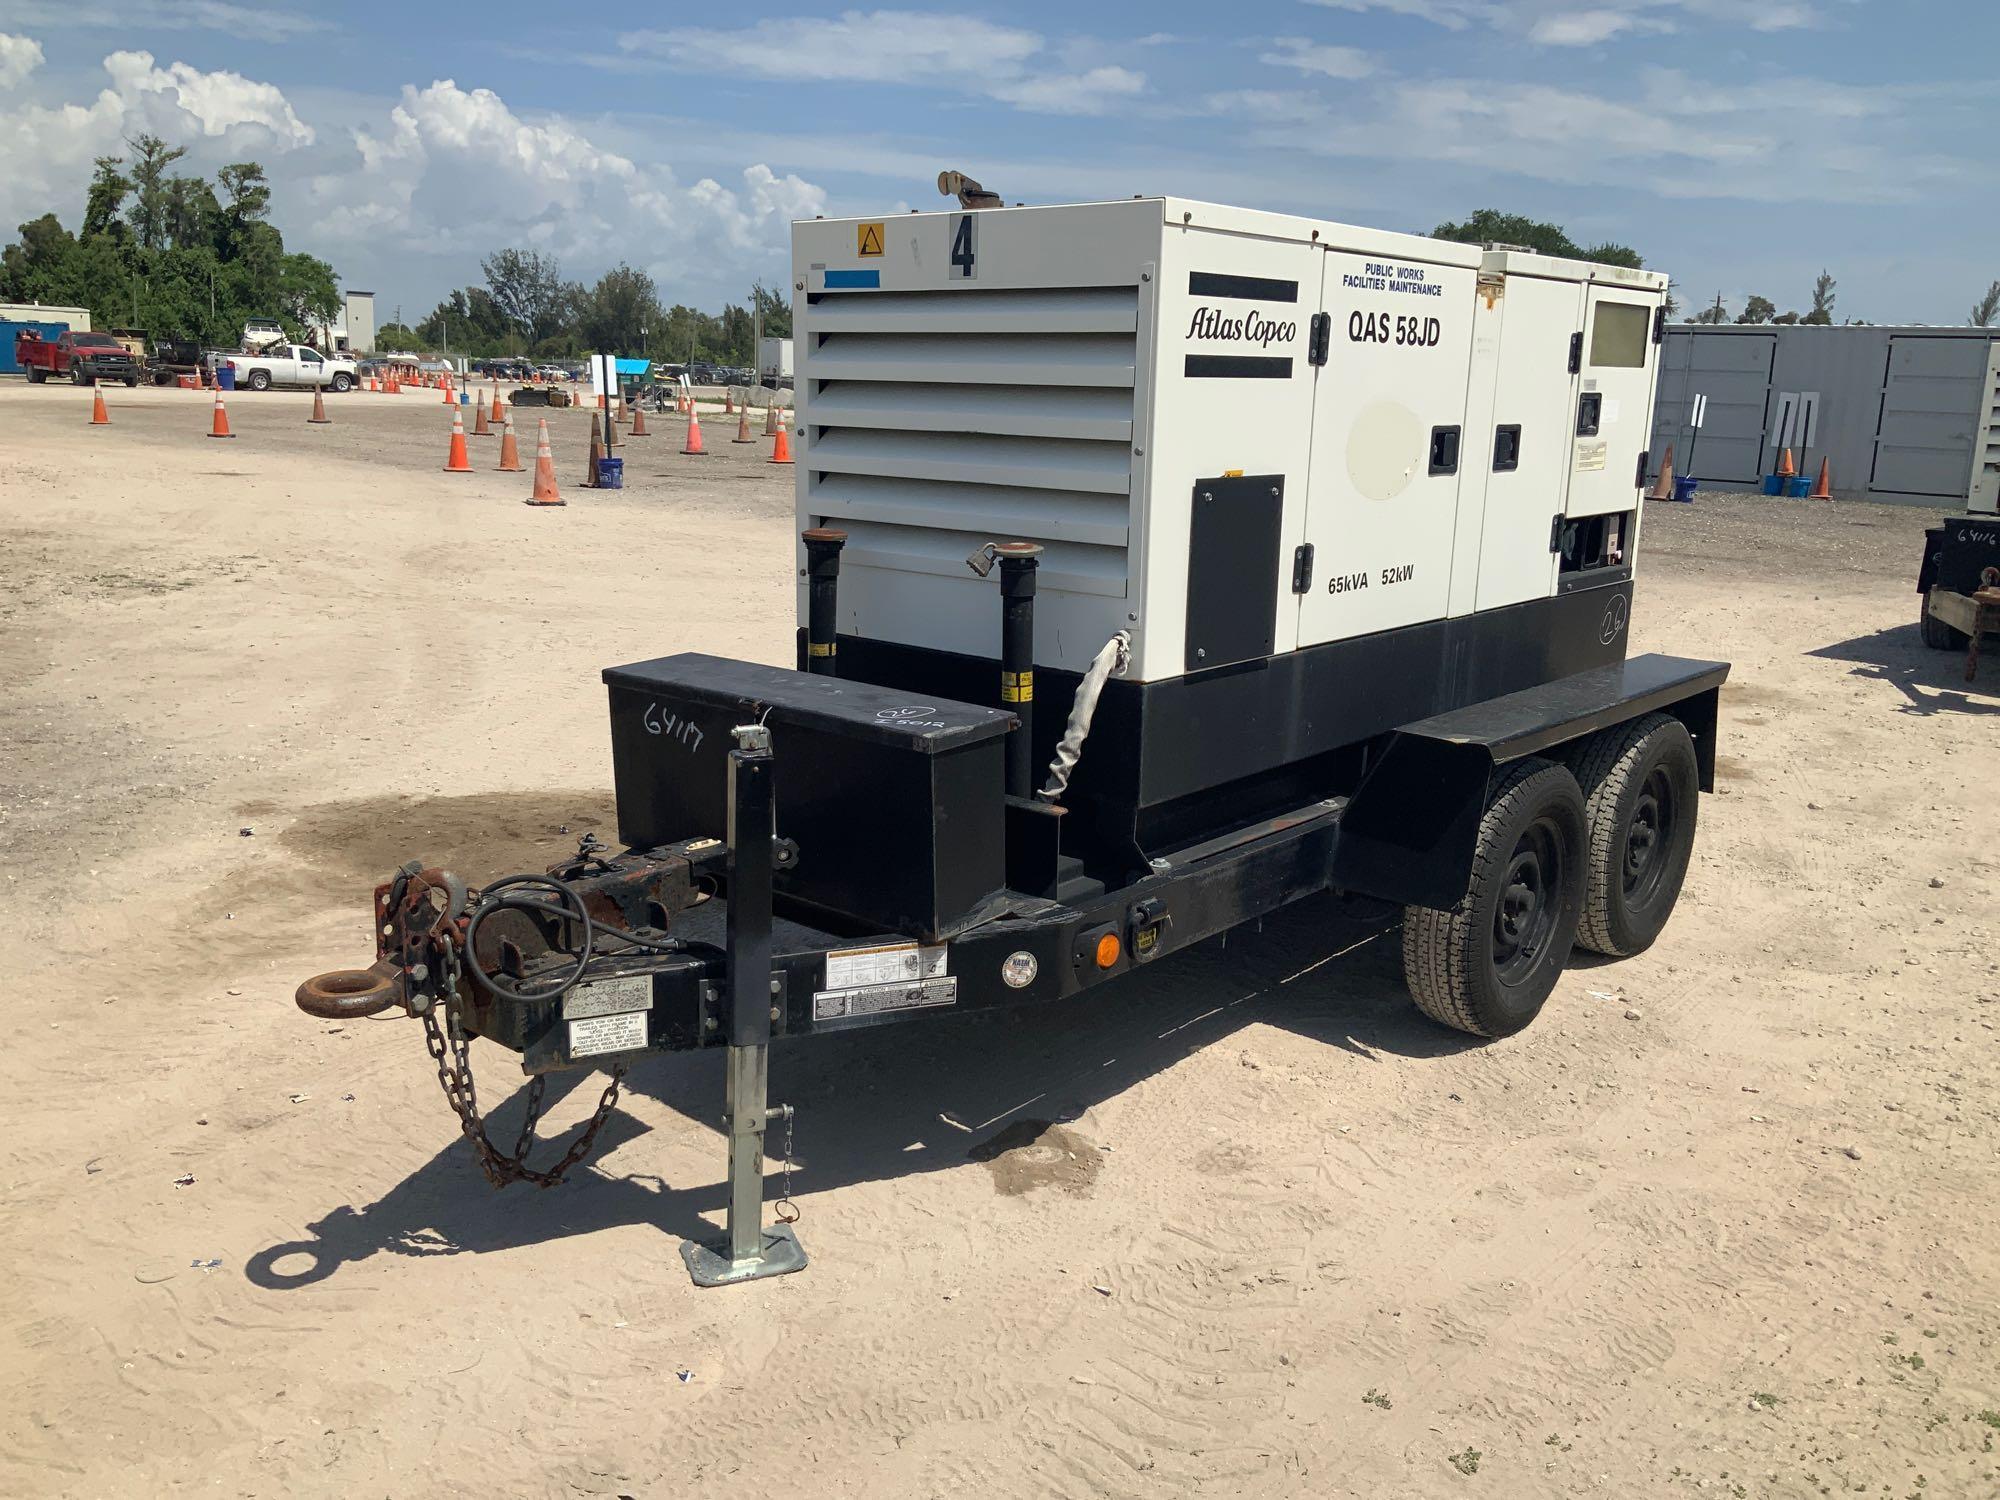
1785	469
394	387
693	444
450	396
597	450
743	427
319	418
727	409
1663	484
99	417
1821	489
639	422
220	426
498	411
781	446
480	426
510	451
546	492
771	419
457	461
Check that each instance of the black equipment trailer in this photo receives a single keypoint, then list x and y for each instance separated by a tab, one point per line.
847	845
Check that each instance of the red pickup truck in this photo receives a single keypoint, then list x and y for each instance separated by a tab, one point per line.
85	358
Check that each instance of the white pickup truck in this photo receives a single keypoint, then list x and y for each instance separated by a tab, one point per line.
292	364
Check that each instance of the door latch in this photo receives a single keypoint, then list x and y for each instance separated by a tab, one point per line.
1302	568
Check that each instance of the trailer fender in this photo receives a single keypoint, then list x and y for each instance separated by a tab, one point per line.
1409	831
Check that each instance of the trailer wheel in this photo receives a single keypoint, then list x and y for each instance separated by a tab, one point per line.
1938	635
1641	788
1486	965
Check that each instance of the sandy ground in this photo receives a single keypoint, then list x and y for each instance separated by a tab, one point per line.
1246	1224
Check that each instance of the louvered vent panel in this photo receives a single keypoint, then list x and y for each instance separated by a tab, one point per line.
934	422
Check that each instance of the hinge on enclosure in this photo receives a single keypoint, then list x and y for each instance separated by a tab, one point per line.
1321	336
1660	324
1639	479
1302	568
1556	534
1575	352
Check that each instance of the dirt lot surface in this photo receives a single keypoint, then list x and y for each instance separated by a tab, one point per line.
1721	1221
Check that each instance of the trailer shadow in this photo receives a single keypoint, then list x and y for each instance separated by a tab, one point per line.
1931	682
876	1105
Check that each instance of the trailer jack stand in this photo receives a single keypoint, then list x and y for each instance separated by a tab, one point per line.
749	1251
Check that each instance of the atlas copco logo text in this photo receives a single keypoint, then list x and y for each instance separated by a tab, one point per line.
1251	328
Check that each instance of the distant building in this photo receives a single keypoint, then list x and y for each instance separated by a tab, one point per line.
360	320
1903	414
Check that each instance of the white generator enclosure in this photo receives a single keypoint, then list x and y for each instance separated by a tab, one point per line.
1236	435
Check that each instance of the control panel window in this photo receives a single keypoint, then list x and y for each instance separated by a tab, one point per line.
1618	335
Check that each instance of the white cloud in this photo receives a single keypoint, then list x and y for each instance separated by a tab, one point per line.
1314	57
1586	28
19	56
1563	23
931	49
1453	15
1089	93
215	102
1789	140
263	23
460	173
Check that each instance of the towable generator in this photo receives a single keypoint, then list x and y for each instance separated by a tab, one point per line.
1160	564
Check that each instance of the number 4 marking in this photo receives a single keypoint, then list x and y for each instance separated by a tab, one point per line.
964	248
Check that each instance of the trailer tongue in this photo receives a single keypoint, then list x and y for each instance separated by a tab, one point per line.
1376	653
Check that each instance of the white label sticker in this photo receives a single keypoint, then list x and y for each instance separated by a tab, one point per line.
873	999
847	967
1590	456
595	1035
1611	409
609	997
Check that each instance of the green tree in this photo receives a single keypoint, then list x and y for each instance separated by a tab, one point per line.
1757	310
528	288
619	312
1786	319
1488	226
108	189
774	309
400	338
151	157
1822	300
1984	311
1716	313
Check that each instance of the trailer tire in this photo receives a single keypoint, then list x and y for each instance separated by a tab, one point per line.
1487	965
1642	790
1938	635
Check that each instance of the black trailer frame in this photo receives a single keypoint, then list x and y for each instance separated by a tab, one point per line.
748	971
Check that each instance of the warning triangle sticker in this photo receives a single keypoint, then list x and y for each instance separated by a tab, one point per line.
868	239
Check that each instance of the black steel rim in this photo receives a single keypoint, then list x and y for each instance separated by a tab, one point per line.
1648	839
1530	895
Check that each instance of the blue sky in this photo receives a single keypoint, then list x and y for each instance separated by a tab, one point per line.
1741	147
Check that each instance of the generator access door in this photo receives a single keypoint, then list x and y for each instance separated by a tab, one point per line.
1388	444
1614	400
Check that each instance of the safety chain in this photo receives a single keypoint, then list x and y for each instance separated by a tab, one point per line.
787	1212
454	1064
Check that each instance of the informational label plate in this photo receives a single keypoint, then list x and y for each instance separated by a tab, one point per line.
609	997
874	999
593	1036
1590	456
848	967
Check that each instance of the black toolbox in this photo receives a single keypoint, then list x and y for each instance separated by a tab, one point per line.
895	801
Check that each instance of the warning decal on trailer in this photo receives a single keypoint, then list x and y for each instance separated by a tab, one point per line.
868	239
888	962
874	999
593	1036
1590	456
